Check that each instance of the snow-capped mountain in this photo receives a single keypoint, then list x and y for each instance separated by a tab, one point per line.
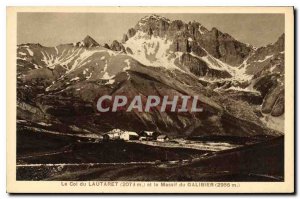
157	41
240	86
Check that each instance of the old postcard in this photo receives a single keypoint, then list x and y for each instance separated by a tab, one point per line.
150	100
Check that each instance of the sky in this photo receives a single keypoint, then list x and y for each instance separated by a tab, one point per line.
51	29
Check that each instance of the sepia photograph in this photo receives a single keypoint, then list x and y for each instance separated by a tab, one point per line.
165	97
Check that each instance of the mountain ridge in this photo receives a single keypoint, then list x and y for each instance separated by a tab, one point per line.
158	57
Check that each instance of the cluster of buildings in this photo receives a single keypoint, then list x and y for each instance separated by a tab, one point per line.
118	134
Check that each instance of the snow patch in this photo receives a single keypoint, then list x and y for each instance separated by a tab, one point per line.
21	53
21	58
128	65
44	124
88	77
276	123
240	72
29	51
36	66
74	79
266	58
273	68
111	81
210	62
242	89
81	44
151	51
106	76
56	50
201	32
85	71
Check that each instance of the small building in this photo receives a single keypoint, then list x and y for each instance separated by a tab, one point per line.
108	136
129	135
117	136
162	138
116	133
143	138
113	134
150	135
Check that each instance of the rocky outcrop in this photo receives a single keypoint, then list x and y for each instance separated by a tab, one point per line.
224	47
117	46
193	37
87	42
153	25
267	60
106	46
271	98
278	108
200	68
125	38
272	90
131	32
265	83
128	50
266	65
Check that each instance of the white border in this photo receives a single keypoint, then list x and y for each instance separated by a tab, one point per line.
3	5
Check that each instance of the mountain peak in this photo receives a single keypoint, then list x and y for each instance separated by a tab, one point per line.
155	17
88	37
88	41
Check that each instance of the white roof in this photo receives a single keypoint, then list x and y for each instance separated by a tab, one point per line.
162	137
131	133
149	131
116	130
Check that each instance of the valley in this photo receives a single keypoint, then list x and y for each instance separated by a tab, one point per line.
43	156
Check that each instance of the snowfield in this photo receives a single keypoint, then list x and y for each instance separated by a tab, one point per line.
151	51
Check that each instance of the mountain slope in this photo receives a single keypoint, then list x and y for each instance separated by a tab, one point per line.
157	57
191	37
